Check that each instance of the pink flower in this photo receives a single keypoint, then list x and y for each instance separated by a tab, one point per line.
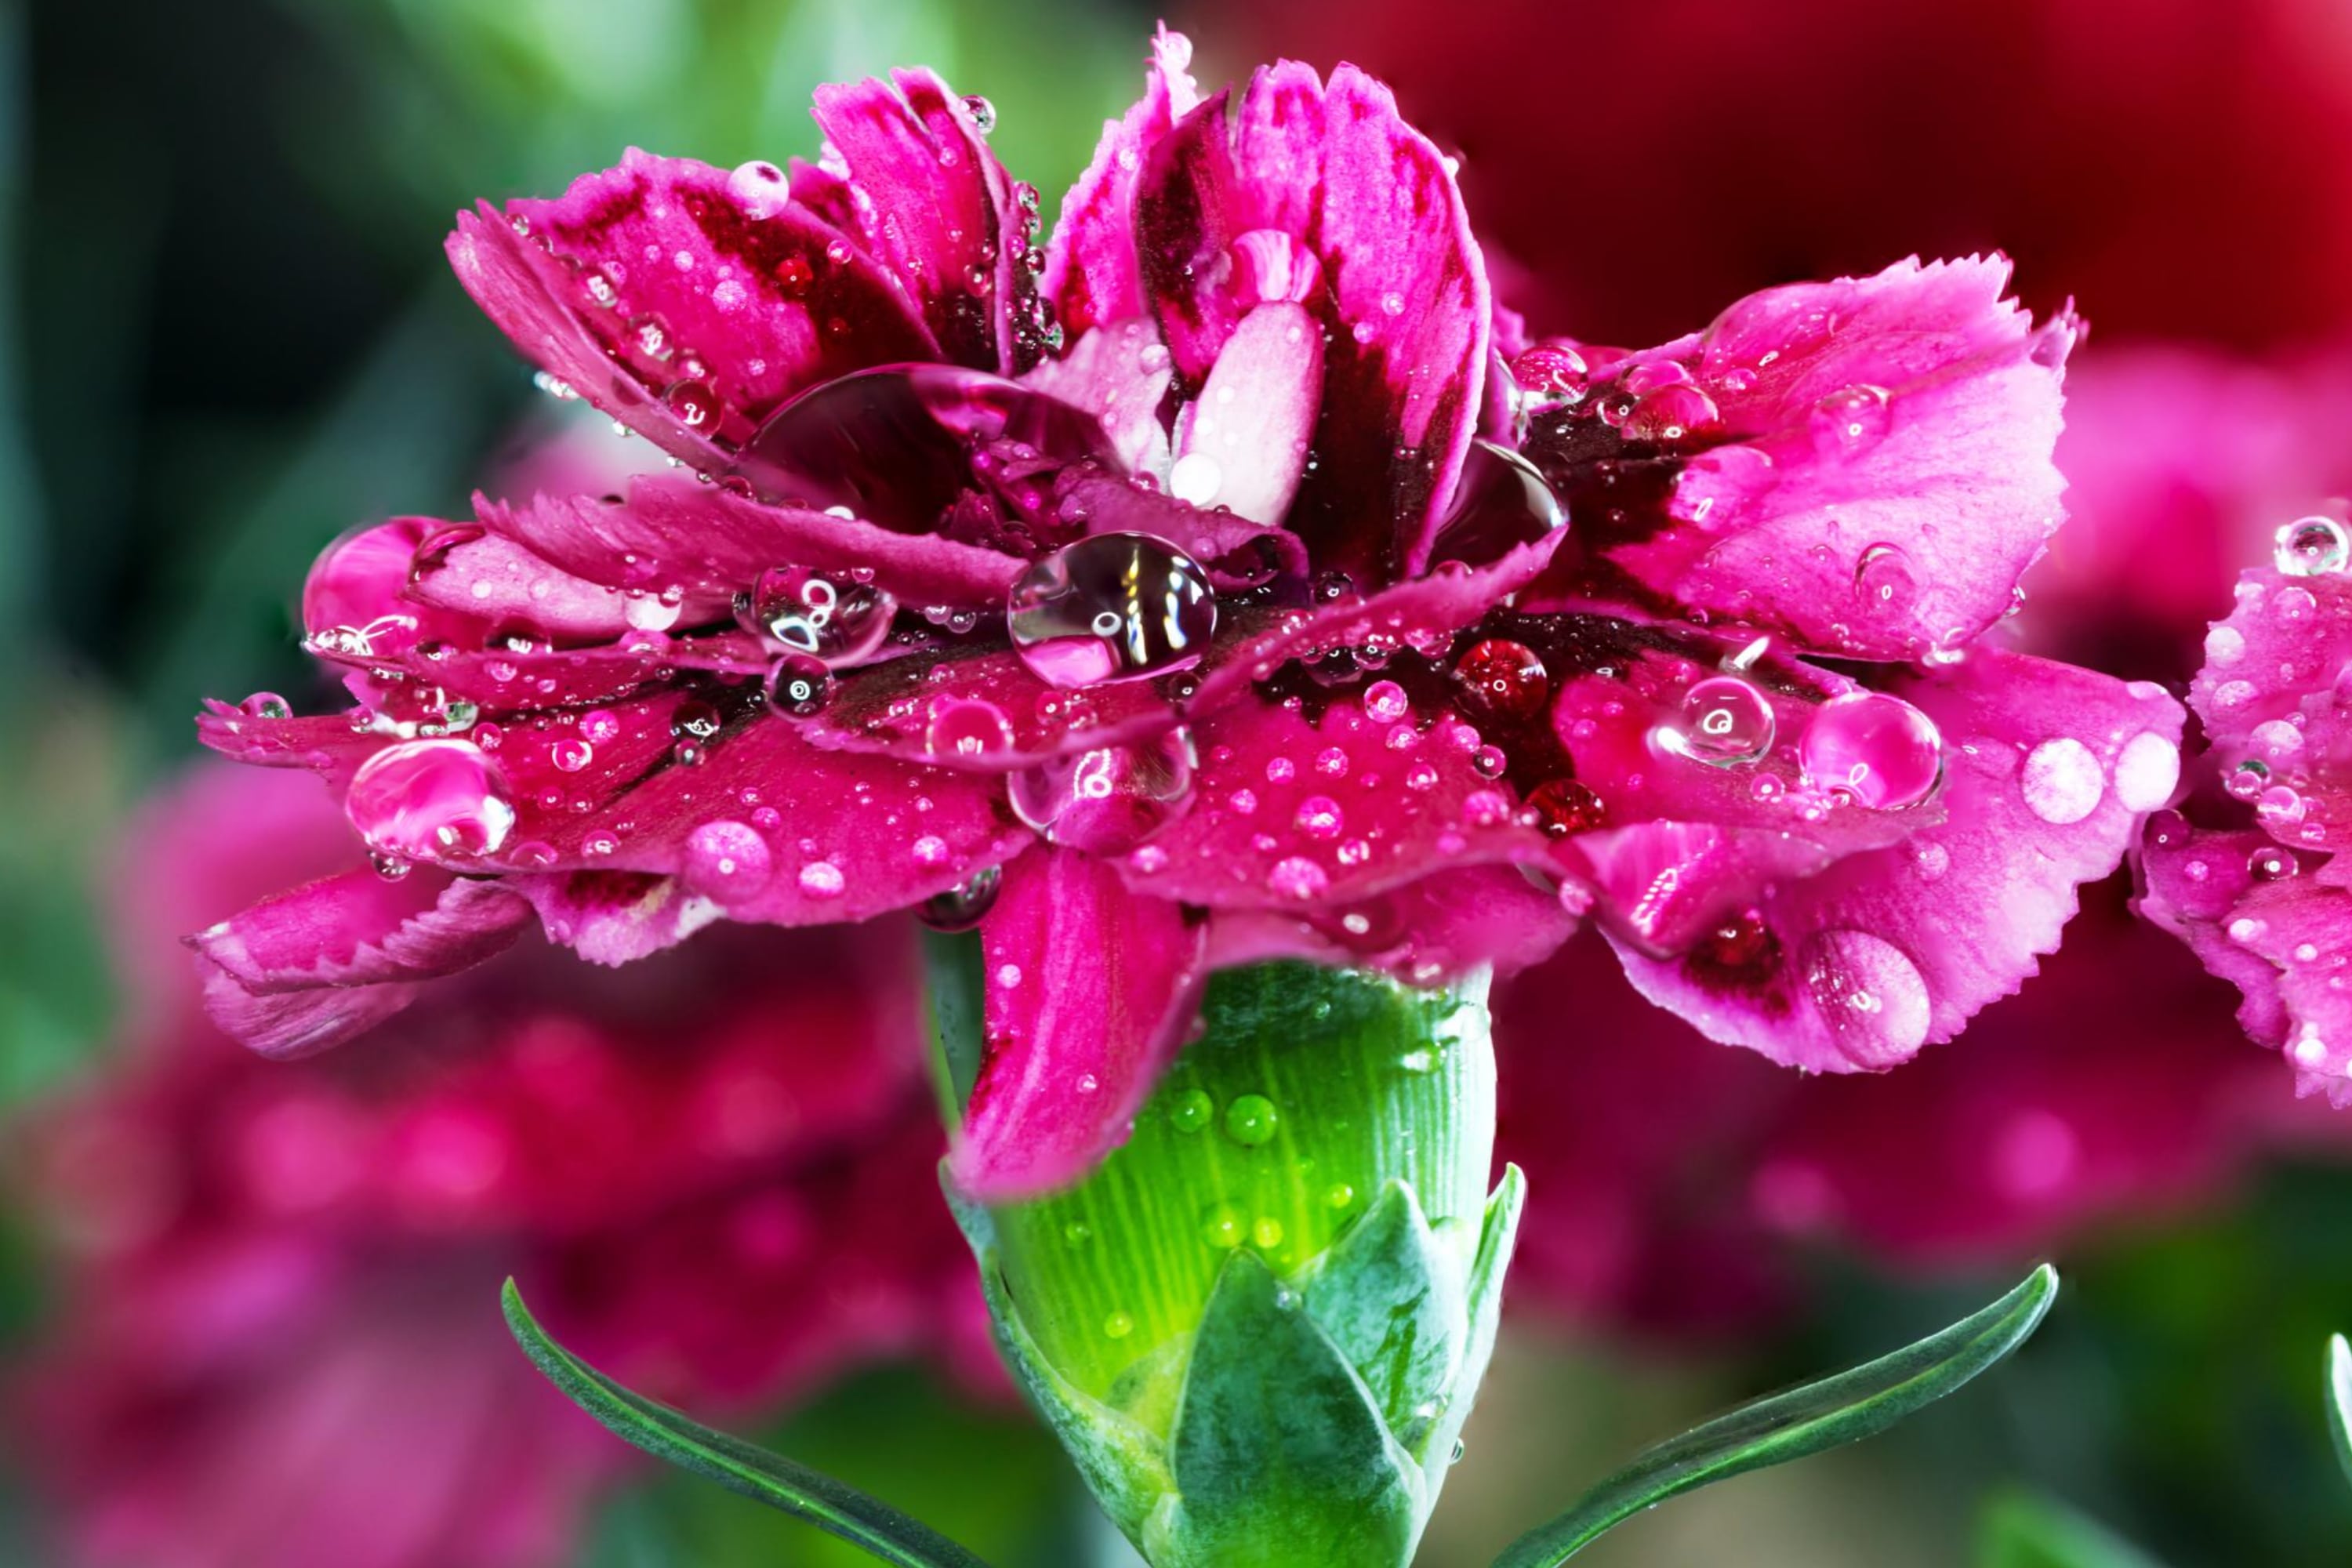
2256	883
1196	588
716	1173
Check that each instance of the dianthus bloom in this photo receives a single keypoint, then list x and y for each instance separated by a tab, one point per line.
1227	578
2258	888
716	1168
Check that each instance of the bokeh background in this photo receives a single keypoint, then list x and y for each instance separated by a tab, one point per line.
226	333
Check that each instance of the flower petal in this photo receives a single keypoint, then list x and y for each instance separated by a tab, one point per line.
934	210
312	967
676	535
1865	464
1405	309
635	276
1092	275
1120	373
2272	695
1090	989
2049	769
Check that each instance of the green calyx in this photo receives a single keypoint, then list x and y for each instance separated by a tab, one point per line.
1258	1327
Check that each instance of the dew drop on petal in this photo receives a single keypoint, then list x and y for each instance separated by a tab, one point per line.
963	906
1879	750
1384	702
2312	547
1724	721
1500	503
967	727
822	880
1851	421
797	686
2148	771
1111	606
727	861
1503	679
1883	578
2273	863
759	188
1872	996
829	617
1109	800
1297	878
439	799
2062	781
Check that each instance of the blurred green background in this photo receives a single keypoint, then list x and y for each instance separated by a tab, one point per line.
230	335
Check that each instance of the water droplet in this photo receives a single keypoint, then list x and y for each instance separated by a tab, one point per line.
1503	679
694	405
894	444
2248	779
967	727
1561	808
1672	413
1500	503
1266	1232
961	907
1117	1326
1222	1228
1877	749
1384	702
761	189
2312	547
2280	807
1195	479
1111	606
797	686
1871	995
1883	578
727	861
2062	781
2224	645
1340	1196
1109	800
982	112
829	617
431	800
1251	1120
1724	721
570	754
1547	376
2272	863
1192	1110
1297	878
2148	771
267	705
1320	816
1851	421
822	880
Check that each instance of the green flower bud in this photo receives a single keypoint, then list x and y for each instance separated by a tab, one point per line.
1258	1327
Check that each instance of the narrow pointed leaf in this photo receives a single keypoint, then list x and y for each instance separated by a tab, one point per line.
2340	1399
1857	1403
739	1467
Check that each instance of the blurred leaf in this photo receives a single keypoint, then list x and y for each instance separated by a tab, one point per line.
2340	1399
1853	1404
734	1464
2021	1531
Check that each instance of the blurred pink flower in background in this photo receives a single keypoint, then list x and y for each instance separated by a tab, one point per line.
276	1340
2178	165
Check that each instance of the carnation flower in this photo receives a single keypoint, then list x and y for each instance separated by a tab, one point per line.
251	1253
1228	578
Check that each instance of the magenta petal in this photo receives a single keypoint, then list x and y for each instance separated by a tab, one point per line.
933	209
1121	374
769	828
1863	464
2048	770
1405	307
684	310
2191	882
1255	413
312	967
675	535
1092	275
509	585
614	917
981	712
1236	551
328	744
1090	990
2272	695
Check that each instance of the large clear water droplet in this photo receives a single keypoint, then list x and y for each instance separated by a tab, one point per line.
1724	721
1850	422
1111	606
761	189
961	907
1111	799
828	616
1501	502
1877	749
431	800
727	861
893	445
2312	547
1871	994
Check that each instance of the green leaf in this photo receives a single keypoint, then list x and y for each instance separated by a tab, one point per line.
2021	1531
1280	1456
2340	1399
1394	1297
1857	1403
734	1464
